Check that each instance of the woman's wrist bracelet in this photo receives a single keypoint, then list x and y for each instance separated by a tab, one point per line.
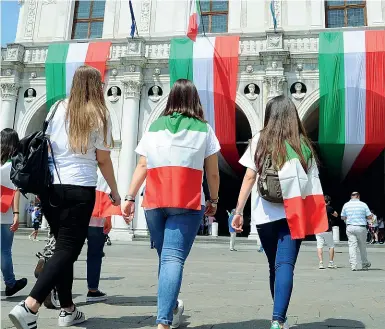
16	213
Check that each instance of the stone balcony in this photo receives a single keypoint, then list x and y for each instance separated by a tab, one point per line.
251	48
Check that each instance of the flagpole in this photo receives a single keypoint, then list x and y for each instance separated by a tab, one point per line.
203	24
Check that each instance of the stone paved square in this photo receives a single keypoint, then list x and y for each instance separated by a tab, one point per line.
221	290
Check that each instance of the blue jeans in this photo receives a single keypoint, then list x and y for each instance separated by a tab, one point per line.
6	255
281	251
173	231
95	248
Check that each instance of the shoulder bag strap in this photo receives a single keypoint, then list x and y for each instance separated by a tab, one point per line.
47	121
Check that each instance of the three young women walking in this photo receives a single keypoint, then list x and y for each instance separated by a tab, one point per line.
282	127
175	151
80	135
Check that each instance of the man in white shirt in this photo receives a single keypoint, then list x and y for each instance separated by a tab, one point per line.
356	213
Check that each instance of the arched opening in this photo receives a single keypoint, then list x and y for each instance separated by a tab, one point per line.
230	185
37	120
370	184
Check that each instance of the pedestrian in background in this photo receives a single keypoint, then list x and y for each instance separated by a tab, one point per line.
356	213
232	232
36	215
9	212
175	151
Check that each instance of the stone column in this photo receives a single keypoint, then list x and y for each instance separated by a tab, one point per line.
253	229
9	93
127	158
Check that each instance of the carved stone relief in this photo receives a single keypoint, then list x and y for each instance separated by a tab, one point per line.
114	94
31	17
274	85
145	15
30	95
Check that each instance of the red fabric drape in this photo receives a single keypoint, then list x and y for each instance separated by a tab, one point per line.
97	56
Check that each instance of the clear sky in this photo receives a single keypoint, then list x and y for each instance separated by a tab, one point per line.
9	17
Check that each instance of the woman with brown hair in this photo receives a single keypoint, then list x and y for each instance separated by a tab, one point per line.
282	128
81	140
174	152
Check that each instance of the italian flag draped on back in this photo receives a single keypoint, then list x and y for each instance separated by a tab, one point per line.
103	206
352	103
175	171
8	190
62	61
212	64
302	193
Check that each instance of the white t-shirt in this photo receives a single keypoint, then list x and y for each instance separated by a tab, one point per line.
212	147
74	168
264	211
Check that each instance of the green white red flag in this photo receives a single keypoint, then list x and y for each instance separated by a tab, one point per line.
303	197
62	61
8	190
352	103
194	20
212	64
179	163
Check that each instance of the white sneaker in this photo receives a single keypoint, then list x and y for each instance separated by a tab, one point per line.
67	319
22	318
178	314
286	324
321	266
332	265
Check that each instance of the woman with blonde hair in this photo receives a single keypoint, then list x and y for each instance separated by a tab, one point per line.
175	151
81	140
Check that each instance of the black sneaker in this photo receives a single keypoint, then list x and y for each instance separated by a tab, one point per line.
20	284
96	296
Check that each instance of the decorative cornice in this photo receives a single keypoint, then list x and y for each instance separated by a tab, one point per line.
9	91
15	53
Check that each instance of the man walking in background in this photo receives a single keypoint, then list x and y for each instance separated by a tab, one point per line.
326	238
356	213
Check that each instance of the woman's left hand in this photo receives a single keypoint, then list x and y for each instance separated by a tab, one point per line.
15	225
211	209
237	223
128	211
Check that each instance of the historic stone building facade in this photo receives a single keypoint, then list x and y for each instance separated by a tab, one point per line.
272	63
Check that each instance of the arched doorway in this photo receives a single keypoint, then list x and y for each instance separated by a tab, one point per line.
370	183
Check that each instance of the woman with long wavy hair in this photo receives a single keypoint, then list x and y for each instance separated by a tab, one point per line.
282	127
81	139
175	151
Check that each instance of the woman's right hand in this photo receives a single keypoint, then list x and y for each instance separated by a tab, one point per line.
116	197
237	223
128	211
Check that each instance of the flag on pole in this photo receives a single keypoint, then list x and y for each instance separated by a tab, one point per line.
133	21
194	20
273	14
303	197
103	206
63	59
8	190
352	99
212	64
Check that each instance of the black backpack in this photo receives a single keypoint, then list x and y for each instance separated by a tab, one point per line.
269	187
30	172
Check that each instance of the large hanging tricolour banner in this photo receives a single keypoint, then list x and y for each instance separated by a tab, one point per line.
352	103
62	61
212	64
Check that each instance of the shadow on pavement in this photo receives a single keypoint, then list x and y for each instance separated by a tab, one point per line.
265	324
111	278
127	301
